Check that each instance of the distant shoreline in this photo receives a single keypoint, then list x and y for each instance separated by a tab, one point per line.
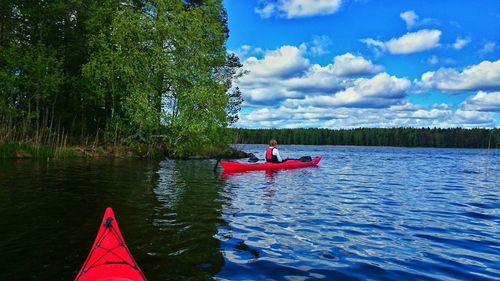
367	146
373	137
360	137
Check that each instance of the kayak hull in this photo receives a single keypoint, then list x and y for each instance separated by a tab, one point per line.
110	259
290	164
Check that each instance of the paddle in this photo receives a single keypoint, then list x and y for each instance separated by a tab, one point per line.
216	163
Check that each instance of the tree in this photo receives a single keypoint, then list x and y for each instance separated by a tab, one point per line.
130	69
163	65
41	77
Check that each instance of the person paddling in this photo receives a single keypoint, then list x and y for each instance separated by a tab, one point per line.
272	153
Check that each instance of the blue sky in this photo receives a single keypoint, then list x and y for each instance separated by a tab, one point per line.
367	63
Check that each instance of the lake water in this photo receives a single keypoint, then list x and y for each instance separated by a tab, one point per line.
365	213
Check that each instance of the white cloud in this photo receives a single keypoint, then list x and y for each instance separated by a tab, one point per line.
287	73
284	62
433	60
460	43
285	90
414	42
488	47
267	10
484	76
411	42
410	18
402	115
319	45
441	106
482	101
286	113
430	114
317	80
348	65
245	51
405	107
297	8
471	118
380	91
378	47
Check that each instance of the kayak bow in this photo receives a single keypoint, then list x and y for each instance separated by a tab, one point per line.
110	259
289	164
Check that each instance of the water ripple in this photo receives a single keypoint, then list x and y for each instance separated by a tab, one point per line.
365	213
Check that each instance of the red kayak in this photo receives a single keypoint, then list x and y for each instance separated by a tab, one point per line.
289	164
110	258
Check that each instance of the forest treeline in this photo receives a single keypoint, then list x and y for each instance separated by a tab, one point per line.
117	72
407	137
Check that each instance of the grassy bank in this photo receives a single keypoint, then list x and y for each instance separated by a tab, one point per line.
31	150
26	150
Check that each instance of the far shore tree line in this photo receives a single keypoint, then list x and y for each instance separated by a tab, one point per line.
117	72
407	137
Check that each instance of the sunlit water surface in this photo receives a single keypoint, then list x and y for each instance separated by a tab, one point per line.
364	213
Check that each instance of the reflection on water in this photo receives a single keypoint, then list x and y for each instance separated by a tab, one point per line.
364	213
168	212
188	215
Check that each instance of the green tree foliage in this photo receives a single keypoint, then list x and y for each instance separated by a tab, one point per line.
408	137
40	78
124	70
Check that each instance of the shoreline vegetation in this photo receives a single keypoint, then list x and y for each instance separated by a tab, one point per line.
95	78
58	146
36	151
397	137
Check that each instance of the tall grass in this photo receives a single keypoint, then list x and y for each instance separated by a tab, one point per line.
24	140
30	150
20	142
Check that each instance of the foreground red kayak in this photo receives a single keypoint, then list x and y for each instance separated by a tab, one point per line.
289	164
110	258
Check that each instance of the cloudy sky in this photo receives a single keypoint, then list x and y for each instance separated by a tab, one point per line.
367	63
